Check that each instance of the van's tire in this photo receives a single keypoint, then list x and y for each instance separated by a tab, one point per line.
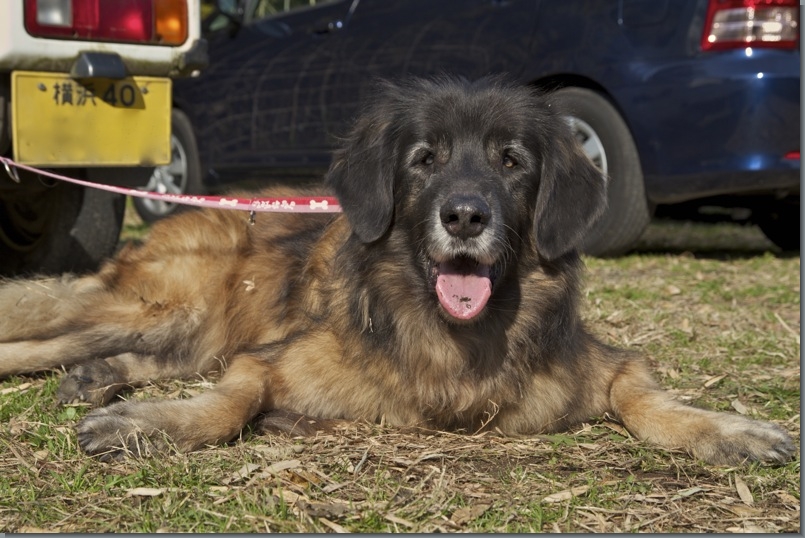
52	230
608	142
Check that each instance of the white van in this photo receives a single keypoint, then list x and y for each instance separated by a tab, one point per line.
85	89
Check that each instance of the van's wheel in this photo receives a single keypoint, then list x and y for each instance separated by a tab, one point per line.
52	230
181	176
606	140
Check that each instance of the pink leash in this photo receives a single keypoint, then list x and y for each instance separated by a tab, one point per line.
300	204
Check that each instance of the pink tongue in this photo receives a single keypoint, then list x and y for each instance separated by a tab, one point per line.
463	294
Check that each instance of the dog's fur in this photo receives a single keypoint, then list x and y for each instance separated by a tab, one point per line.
445	297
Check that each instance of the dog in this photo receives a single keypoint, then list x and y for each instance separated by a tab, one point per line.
446	296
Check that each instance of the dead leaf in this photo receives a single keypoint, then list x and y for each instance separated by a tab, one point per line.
685	327
275	468
738	406
19	388
787	498
432	456
315	509
335	527
242	473
468	513
743	491
334	487
639	497
673	290
144	492
617	428
304	478
714	380
749	529
687	493
399	521
289	497
566	494
273	453
741	510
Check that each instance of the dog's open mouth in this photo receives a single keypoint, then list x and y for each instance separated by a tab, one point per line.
463	286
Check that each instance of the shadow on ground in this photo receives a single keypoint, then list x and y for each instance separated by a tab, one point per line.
721	240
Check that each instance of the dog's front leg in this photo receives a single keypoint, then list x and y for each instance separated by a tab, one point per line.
216	416
653	415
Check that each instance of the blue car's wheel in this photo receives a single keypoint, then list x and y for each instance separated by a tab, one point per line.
606	140
181	176
780	222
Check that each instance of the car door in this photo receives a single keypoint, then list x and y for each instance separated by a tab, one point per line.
397	38
255	102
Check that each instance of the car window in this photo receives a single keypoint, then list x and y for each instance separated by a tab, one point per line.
272	8
218	14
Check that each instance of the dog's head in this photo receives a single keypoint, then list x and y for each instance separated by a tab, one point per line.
471	171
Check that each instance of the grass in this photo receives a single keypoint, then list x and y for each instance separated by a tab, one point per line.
714	308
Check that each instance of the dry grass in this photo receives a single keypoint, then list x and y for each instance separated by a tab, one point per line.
715	310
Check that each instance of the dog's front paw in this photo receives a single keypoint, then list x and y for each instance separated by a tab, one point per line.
739	440
93	382
120	430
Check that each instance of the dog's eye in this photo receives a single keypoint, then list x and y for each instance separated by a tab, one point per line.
427	159
508	161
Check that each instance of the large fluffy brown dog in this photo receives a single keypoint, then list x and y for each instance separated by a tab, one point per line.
445	297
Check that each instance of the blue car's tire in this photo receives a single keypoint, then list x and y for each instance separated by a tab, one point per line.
181	176
780	222
608	142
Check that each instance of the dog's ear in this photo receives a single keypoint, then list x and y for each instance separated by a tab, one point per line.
572	194
362	175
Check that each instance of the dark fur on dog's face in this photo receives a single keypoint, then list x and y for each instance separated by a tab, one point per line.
463	164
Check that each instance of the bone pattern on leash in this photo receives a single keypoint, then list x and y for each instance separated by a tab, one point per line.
303	204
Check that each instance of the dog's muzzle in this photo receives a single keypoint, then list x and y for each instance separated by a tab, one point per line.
463	284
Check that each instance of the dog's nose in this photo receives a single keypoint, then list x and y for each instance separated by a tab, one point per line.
465	216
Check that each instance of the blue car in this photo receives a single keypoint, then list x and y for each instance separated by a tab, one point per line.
676	100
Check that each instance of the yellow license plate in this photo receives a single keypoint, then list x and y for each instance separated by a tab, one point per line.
60	121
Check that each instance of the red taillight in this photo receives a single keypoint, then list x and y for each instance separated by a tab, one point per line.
792	156
732	24
161	22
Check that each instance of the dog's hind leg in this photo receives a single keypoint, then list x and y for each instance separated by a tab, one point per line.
112	324
29	356
35	308
38	326
653	415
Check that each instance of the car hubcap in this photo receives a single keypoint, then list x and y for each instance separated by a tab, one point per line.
168	179
590	143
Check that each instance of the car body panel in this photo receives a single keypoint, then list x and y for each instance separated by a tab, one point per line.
280	90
